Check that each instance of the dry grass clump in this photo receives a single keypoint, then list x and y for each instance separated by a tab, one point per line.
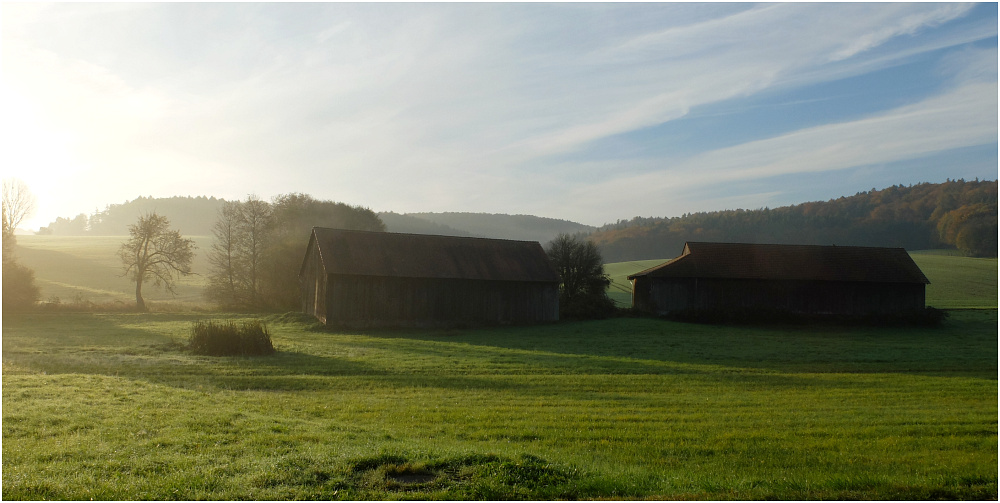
229	338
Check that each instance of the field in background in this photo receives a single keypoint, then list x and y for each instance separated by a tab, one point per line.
620	289
957	282
110	407
87	268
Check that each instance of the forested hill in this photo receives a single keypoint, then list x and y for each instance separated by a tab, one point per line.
195	216
955	214
192	216
502	226
409	224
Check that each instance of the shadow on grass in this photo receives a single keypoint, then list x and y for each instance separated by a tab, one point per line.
965	344
498	359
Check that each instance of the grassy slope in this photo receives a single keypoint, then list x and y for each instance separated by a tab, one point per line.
957	282
109	407
620	289
88	268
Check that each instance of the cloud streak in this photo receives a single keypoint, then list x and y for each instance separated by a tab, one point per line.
471	107
964	117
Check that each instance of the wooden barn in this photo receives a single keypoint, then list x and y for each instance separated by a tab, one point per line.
845	280
360	278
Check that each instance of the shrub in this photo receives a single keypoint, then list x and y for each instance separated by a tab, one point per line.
229	338
19	289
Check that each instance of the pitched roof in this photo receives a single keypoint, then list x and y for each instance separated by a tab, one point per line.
428	256
790	262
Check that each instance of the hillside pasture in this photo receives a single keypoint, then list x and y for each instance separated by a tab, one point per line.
110	407
958	282
87	269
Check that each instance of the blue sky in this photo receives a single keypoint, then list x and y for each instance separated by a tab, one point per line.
590	112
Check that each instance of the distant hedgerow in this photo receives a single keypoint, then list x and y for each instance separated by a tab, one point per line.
229	338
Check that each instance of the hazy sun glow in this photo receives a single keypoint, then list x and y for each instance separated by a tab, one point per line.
588	112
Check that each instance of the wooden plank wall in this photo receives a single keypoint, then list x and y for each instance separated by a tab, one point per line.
664	295
414	301
313	284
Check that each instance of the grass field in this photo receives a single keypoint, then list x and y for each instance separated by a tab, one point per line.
958	282
87	268
110	407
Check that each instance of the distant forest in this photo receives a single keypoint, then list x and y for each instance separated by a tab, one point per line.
192	216
501	226
955	214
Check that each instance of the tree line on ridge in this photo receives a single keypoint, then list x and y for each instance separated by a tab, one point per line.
956	214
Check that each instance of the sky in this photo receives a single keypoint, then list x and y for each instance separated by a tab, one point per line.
590	112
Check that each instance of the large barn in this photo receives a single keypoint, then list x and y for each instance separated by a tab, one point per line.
360	278
847	280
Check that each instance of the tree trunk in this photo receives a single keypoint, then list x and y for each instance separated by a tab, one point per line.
140	305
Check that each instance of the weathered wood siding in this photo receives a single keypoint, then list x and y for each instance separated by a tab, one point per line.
386	301
313	283
663	295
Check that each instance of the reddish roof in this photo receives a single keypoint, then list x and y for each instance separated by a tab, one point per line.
790	262
429	256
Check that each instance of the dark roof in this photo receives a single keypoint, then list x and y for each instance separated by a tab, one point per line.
790	262
428	256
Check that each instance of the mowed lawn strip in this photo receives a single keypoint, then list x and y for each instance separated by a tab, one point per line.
111	407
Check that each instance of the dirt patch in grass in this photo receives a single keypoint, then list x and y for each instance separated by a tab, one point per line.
466	477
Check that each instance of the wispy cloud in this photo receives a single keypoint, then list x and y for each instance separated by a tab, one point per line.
963	117
412	107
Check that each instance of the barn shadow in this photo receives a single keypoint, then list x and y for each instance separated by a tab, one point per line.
103	346
493	358
655	346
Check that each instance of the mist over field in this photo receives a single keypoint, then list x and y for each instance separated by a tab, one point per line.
382	251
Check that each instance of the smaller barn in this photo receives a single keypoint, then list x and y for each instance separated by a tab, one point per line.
842	280
360	278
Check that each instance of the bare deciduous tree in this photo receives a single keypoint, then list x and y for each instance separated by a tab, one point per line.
225	281
255	215
238	256
18	204
155	252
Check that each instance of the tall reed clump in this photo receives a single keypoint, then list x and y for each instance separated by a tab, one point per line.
230	338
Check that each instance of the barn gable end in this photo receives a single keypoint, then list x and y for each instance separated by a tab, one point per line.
797	278
361	278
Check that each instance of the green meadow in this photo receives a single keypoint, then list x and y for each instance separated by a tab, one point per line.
111	406
71	269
